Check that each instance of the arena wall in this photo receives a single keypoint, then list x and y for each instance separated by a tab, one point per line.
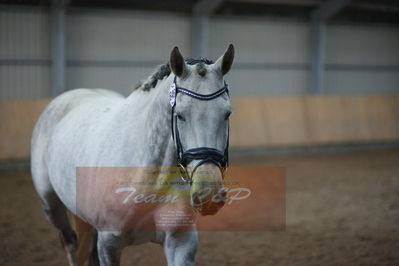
257	122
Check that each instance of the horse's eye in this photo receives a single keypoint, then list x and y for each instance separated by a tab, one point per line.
180	117
227	115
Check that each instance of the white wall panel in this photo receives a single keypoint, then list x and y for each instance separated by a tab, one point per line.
370	45
24	81
24	34
359	82
121	79
260	40
243	82
124	36
97	37
284	43
121	36
362	45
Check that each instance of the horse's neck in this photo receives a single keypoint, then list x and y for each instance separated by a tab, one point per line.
157	148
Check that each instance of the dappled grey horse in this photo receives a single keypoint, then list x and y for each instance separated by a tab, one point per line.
177	116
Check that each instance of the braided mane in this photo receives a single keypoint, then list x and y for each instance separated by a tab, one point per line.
164	70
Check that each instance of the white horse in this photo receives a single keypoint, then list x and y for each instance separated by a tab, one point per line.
178	116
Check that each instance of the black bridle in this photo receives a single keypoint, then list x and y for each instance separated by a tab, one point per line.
203	154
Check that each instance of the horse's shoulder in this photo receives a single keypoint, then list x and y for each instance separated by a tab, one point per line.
77	97
72	100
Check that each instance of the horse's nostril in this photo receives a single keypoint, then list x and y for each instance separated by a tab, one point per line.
196	200
224	193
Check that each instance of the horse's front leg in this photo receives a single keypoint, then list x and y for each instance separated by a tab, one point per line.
109	247
180	248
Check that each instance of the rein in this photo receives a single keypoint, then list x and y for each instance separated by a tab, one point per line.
203	154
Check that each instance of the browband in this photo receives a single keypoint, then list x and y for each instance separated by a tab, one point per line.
202	96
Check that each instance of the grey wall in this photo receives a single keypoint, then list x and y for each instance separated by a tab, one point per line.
359	59
370	55
115	49
24	53
271	56
136	41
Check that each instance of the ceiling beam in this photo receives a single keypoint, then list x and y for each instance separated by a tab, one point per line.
328	9
280	2
206	7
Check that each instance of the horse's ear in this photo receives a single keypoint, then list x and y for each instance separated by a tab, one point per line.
225	62
177	63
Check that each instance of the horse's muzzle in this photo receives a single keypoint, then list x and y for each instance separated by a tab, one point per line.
207	194
208	204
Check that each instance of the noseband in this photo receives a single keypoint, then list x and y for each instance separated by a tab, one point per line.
203	154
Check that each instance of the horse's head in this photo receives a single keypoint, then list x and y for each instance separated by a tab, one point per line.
200	125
